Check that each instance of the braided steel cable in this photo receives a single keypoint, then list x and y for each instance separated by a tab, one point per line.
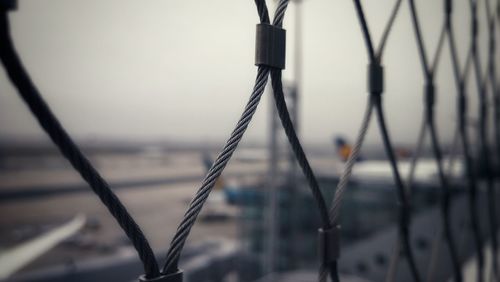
430	120
330	218
171	264
346	174
416	156
492	73
296	146
404	204
177	243
393	263
376	94
453	153
491	77
304	164
51	125
483	136
462	110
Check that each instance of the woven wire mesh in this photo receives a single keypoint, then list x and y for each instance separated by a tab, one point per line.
484	77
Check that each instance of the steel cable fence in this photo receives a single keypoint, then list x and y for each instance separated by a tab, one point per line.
330	217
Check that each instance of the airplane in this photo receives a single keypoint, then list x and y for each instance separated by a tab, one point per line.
15	258
365	171
426	169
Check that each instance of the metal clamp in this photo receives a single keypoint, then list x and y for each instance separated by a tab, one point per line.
375	78
329	244
270	46
172	277
430	94
448	7
8	5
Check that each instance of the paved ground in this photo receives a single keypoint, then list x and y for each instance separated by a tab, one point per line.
158	208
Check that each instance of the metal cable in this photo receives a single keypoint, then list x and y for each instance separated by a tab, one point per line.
404	204
462	110
51	125
429	118
346	173
394	261
483	136
171	264
69	149
304	164
416	156
491	77
296	147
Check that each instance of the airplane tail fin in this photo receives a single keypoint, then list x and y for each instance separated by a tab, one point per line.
344	149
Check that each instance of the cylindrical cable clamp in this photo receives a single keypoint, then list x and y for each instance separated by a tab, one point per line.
329	244
270	46
375	78
430	96
448	7
462	104
172	277
8	5
475	27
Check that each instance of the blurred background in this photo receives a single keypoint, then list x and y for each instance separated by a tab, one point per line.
151	90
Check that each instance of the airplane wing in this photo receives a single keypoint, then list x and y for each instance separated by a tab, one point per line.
19	256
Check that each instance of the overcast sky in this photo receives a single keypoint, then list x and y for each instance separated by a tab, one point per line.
183	70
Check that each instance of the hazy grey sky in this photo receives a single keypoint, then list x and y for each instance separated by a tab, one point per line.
183	70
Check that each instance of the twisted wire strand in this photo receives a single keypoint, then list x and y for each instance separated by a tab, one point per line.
483	135
396	254
171	264
472	191
404	205
388	28
416	156
262	11
462	110
304	164
344	180
51	125
347	172
374	56
429	118
296	146
442	37
453	153
173	255
491	77
445	201
365	30
390	275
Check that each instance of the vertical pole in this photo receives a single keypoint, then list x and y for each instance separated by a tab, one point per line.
269	266
294	112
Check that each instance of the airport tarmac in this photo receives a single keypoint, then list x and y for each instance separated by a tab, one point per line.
157	206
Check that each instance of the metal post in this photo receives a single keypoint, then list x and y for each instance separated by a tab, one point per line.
273	190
